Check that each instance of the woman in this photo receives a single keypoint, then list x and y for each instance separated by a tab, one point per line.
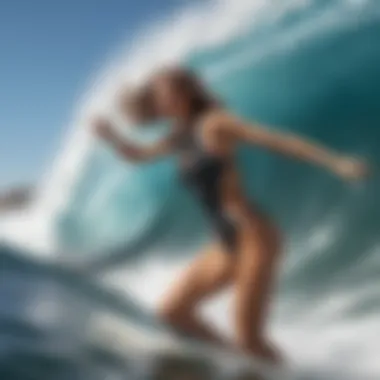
247	246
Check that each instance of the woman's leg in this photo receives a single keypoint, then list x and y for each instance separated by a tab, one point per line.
258	255
208	274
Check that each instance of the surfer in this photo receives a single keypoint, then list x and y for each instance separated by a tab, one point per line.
247	245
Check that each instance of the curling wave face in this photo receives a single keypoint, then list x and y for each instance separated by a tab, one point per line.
308	66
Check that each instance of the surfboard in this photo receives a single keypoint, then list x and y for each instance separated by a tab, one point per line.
167	356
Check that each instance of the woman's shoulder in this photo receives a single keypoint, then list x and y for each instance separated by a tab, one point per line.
216	119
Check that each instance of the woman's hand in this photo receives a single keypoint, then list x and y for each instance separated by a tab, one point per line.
350	168
103	129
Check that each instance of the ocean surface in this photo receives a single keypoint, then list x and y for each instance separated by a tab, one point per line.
84	267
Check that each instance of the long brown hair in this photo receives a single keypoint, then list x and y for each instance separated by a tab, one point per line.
141	103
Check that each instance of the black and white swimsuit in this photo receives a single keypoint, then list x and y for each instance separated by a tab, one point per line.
202	173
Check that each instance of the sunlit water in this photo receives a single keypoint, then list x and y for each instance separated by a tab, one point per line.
312	67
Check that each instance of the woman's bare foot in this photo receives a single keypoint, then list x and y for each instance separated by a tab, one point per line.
266	351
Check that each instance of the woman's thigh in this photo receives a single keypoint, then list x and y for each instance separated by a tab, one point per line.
207	274
256	269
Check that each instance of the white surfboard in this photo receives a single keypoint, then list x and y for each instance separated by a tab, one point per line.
169	356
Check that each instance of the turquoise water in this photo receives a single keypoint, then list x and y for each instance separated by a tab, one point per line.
314	71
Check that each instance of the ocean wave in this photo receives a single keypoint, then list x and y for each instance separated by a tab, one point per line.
310	66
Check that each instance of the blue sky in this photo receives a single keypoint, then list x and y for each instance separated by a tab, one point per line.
49	49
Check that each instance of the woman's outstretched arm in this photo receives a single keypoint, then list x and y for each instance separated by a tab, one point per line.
291	145
129	150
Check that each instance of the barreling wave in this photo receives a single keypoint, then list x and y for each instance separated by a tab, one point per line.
308	66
